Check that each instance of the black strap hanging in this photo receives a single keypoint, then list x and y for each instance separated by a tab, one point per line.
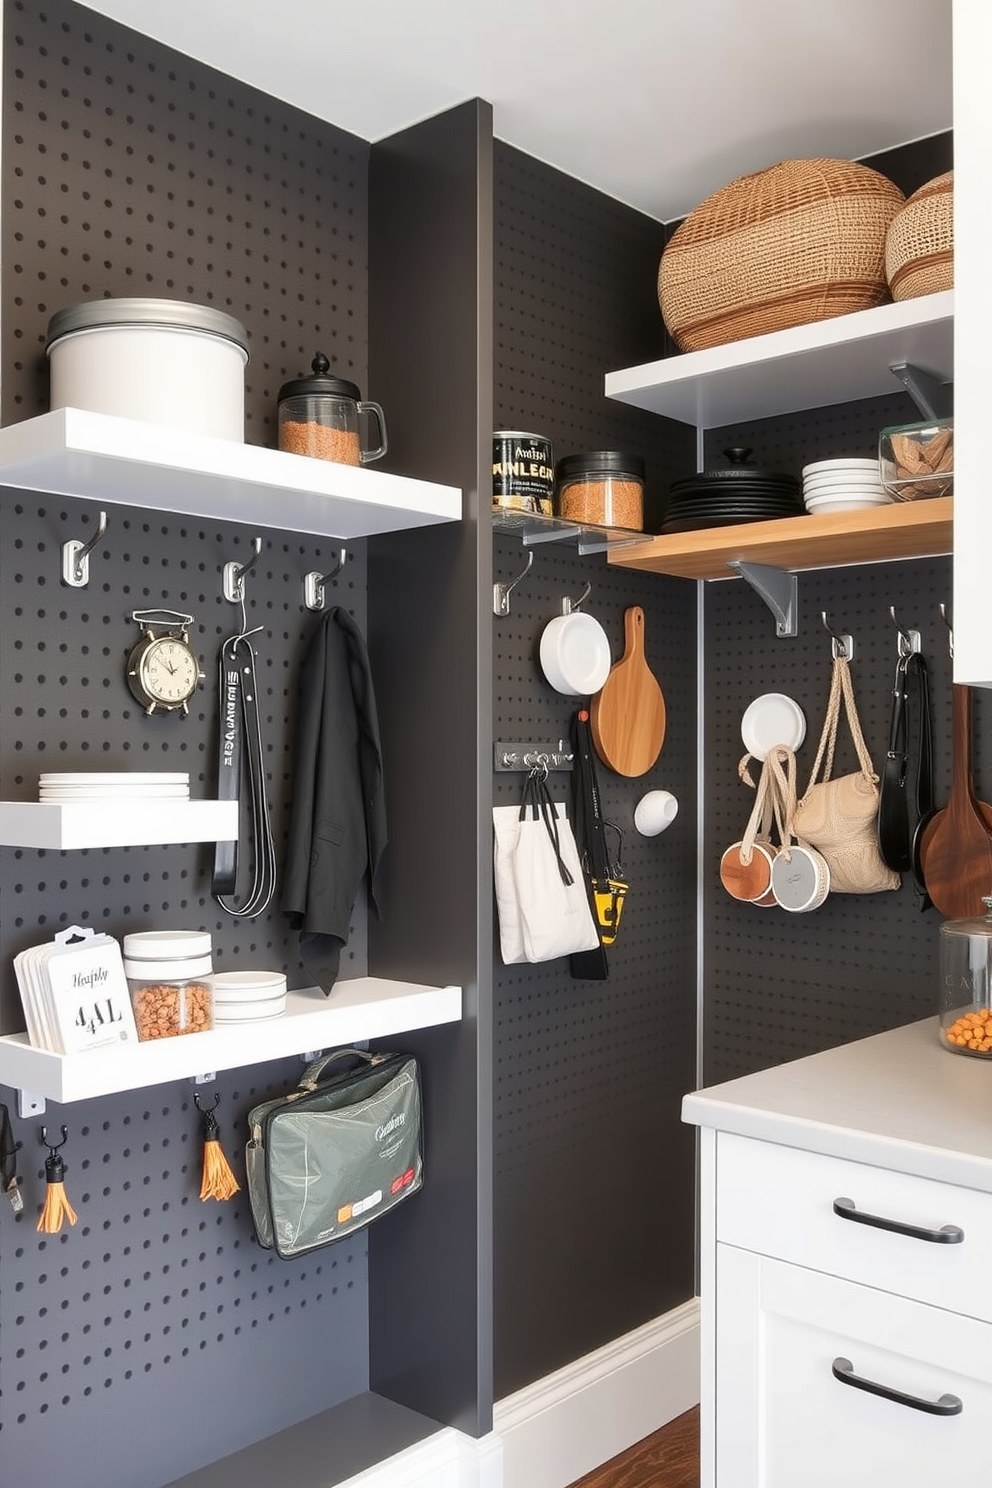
240	760
537	798
895	834
8	1162
604	878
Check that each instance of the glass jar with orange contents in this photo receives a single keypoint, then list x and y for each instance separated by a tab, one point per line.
965	1012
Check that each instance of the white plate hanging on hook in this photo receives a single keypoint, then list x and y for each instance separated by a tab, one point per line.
772	719
575	651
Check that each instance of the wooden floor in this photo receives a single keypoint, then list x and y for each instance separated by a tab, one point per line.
668	1459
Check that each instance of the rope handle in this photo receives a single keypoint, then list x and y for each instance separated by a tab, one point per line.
841	690
782	768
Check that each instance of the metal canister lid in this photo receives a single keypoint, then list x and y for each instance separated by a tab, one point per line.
600	462
193	967
167	945
178	314
320	383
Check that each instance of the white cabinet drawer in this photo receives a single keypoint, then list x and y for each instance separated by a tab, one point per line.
824	1384
779	1201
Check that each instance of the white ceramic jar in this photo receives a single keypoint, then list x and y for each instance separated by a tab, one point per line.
159	361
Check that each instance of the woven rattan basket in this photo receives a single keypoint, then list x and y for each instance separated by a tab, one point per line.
803	240
919	247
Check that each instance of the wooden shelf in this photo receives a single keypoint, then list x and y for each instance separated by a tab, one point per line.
364	1008
811	366
67	825
910	529
118	461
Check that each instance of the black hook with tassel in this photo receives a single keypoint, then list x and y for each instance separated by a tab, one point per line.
218	1181
57	1206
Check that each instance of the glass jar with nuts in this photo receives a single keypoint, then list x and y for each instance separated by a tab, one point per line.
604	488
169	978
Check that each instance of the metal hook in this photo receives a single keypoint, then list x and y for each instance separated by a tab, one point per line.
501	592
206	1110
313	583
950	628
909	640
234	575
568	607
76	556
46	1143
841	646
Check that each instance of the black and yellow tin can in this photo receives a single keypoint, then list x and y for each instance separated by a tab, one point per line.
523	472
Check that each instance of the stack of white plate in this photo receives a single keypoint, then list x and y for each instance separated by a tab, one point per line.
97	785
843	485
248	996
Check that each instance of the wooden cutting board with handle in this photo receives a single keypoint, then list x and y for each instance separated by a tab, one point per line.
955	855
627	717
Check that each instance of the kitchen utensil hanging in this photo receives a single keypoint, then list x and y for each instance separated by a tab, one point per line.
628	717
772	719
575	651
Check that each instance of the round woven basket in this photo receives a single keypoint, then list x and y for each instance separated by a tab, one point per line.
919	247
801	241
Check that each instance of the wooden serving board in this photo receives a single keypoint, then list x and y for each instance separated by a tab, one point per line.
627	717
956	844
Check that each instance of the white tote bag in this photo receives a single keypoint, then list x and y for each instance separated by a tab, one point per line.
541	895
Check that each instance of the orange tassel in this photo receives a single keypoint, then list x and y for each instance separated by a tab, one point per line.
219	1181
57	1206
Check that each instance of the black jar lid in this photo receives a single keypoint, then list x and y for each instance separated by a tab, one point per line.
600	463
309	387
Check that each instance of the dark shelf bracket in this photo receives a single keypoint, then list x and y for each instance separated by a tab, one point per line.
779	590
935	400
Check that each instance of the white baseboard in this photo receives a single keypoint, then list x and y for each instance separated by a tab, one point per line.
564	1425
448	1459
552	1432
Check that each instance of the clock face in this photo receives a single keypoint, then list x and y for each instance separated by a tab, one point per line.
168	672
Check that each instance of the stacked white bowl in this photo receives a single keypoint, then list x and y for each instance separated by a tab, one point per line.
248	996
846	484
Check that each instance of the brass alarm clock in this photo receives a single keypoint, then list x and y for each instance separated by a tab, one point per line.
163	670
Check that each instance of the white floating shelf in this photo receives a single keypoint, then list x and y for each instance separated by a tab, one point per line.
812	366
66	825
71	452
365	1008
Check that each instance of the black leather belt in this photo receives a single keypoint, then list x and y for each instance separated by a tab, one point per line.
240	757
895	835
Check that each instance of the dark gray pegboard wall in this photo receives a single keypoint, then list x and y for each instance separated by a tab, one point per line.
589	1075
149	1322
130	170
779	985
63	656
133	170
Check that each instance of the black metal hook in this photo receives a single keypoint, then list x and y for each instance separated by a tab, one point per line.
208	1110
46	1143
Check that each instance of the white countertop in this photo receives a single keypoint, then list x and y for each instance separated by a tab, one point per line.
897	1100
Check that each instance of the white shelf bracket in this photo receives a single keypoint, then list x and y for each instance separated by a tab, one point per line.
933	399
779	590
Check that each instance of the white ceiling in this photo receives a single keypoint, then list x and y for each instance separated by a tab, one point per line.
655	102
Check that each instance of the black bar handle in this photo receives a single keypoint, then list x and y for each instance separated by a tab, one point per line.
946	1235
946	1405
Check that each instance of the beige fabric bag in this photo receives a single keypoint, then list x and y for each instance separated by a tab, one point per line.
839	816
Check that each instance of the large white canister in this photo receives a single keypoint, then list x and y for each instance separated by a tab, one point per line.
161	361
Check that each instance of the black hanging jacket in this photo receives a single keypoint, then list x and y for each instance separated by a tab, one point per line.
338	819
